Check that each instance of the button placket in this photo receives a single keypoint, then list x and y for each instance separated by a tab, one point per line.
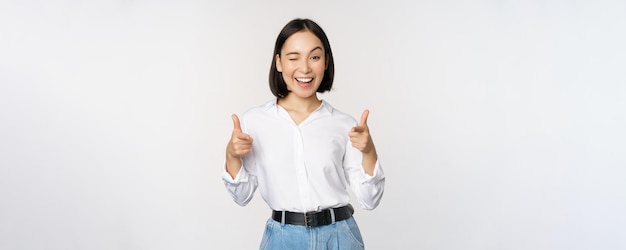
301	172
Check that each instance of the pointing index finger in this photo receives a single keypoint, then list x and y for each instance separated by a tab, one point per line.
364	117
236	123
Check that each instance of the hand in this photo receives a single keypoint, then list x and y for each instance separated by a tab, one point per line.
360	135
240	143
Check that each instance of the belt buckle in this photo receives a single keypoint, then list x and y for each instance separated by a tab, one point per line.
309	221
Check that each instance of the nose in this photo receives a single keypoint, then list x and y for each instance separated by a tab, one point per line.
305	67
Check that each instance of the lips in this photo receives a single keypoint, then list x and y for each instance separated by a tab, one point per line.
304	79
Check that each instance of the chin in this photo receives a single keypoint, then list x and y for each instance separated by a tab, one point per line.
304	94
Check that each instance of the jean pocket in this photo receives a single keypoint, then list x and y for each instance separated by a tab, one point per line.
352	229
267	235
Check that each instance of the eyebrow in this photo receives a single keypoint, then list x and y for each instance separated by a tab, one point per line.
297	53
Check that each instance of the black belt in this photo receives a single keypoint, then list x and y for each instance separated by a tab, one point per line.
314	219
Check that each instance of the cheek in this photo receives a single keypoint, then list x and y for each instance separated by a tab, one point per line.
317	66
320	69
286	78
288	69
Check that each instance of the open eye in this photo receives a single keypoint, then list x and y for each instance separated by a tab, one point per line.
315	58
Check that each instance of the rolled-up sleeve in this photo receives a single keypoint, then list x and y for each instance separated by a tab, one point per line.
367	189
242	187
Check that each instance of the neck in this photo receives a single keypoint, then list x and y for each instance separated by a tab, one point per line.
293	102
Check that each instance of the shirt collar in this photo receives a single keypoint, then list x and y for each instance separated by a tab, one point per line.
325	106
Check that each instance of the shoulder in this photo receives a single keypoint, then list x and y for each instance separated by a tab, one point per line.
340	116
253	117
258	114
260	109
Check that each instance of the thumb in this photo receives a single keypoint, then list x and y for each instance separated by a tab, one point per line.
236	123
364	116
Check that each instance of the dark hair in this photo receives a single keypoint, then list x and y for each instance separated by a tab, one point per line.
277	84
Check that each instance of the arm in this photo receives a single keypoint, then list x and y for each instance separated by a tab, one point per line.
239	183
367	178
362	140
368	188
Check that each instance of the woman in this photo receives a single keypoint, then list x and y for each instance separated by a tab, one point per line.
302	153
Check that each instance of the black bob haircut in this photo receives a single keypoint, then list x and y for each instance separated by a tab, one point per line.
277	84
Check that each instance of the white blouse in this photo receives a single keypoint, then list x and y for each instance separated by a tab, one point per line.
305	167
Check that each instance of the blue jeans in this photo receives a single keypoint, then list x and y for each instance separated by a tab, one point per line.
343	234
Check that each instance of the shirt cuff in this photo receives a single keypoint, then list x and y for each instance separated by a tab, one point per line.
242	176
376	177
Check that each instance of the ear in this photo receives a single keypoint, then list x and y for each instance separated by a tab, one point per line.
279	67
327	59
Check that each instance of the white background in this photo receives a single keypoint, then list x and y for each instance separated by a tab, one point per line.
500	124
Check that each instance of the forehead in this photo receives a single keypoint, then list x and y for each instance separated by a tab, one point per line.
302	41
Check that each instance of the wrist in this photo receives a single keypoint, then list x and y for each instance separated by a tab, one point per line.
371	151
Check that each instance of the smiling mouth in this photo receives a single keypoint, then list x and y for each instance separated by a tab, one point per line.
304	79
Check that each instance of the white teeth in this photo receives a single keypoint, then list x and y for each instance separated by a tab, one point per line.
304	79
